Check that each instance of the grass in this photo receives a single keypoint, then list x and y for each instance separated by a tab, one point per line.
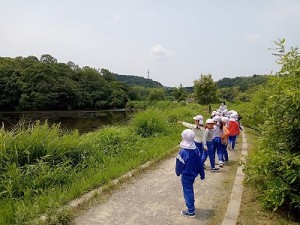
224	190
42	168
251	212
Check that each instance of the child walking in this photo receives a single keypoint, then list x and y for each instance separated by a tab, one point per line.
199	129
224	138
216	139
189	165
234	130
207	145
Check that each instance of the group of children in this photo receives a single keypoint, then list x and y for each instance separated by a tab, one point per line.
200	141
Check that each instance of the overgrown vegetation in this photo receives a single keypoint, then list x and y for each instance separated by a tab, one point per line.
251	211
43	167
274	167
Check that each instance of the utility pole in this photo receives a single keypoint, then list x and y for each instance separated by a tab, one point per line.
148	74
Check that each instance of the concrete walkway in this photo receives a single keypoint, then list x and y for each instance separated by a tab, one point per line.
155	197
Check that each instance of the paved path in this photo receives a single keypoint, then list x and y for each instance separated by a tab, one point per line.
155	197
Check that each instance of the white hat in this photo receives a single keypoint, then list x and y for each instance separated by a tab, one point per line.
232	117
213	113
198	117
188	139
217	118
209	121
217	113
225	119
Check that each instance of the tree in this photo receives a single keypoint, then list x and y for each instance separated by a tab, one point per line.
205	89
46	58
156	95
229	93
72	65
180	93
107	75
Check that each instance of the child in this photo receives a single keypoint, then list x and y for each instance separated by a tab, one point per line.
224	138
223	107
207	145
234	130
216	139
198	128
189	165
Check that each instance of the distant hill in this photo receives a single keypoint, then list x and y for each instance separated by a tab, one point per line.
243	82
138	81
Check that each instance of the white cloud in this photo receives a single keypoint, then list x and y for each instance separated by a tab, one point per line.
252	37
161	52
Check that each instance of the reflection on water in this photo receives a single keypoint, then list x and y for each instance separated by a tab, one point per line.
84	121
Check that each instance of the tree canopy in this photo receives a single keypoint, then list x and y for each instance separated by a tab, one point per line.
205	89
29	83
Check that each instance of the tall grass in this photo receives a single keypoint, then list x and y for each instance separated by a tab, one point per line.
43	167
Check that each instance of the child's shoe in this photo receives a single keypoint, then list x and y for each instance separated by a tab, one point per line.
187	214
215	169
221	164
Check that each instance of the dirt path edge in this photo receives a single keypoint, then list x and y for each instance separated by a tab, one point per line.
233	207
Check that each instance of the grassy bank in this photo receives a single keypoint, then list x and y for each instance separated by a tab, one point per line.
42	167
251	211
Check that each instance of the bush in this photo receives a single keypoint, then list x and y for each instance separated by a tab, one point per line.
150	123
275	165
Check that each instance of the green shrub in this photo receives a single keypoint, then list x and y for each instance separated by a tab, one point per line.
138	105
275	166
150	123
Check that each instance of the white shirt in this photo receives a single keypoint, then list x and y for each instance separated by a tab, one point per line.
199	132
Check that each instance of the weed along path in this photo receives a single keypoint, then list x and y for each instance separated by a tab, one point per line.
155	196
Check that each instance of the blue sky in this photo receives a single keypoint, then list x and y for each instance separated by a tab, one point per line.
176	40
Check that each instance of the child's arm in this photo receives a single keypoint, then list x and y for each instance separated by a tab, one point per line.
188	125
201	169
180	163
202	173
205	140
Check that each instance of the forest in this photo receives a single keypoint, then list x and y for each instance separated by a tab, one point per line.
29	83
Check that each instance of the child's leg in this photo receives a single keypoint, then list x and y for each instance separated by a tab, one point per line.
211	154
188	192
230	142
233	141
200	147
225	153
218	144
204	157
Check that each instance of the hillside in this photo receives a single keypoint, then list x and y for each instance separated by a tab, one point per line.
243	83
138	81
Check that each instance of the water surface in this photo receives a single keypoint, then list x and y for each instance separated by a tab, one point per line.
84	121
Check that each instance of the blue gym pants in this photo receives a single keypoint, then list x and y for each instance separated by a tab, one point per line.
200	147
210	154
188	192
217	147
232	140
225	153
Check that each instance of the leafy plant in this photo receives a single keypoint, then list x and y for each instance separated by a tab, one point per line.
275	165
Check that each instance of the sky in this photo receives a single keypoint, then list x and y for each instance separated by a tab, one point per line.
176	40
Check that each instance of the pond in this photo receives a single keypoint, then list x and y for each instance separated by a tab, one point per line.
84	121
